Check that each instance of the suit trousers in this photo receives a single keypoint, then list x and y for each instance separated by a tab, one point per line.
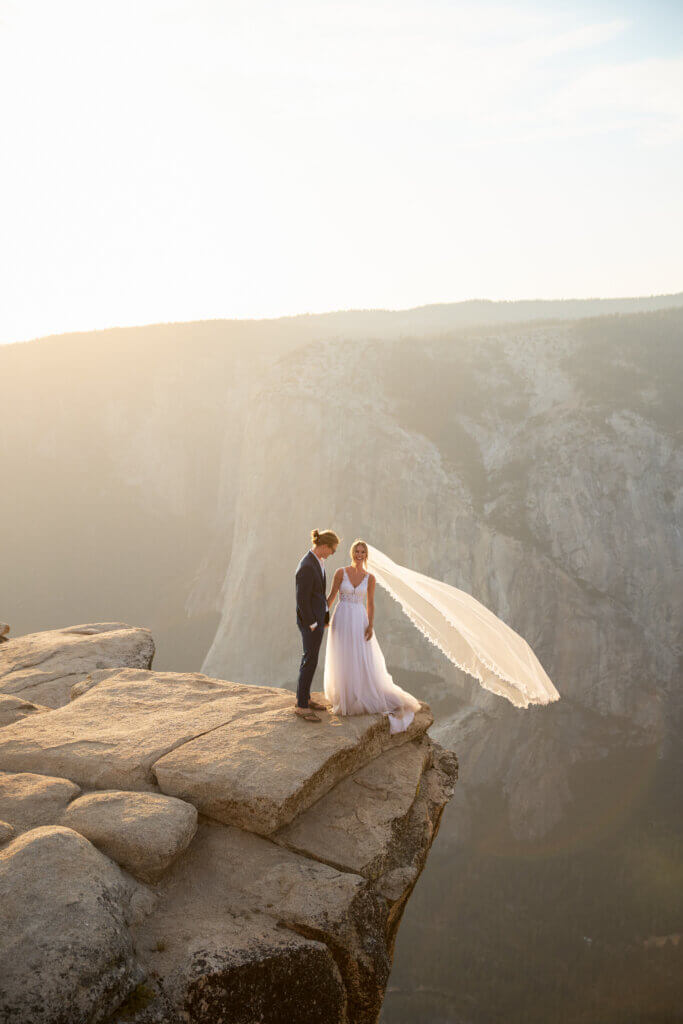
312	639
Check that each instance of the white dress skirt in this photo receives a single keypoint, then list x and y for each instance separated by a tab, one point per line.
356	677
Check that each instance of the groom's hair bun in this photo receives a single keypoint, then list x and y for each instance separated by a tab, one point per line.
328	537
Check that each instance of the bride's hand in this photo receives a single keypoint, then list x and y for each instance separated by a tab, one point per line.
368	632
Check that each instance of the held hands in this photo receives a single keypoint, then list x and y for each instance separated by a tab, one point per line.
368	633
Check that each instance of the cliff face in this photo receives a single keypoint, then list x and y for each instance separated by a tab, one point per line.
180	848
124	448
507	463
537	466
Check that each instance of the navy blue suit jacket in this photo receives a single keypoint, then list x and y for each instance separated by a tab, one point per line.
311	605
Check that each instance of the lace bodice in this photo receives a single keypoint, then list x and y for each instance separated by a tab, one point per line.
356	595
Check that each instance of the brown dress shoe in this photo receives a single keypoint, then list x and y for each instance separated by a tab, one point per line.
307	714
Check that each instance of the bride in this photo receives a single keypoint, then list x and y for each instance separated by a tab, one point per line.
356	677
463	629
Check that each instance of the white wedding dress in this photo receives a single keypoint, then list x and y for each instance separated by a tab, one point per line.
356	677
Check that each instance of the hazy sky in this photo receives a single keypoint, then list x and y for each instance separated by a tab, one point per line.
186	159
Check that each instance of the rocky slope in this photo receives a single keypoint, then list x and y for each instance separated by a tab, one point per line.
45	666
180	848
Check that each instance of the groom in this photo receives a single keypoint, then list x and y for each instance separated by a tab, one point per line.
312	615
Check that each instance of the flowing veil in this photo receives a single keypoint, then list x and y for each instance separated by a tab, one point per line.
470	635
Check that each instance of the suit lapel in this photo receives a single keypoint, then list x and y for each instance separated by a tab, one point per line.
318	565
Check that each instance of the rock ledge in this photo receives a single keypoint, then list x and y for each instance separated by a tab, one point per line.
176	848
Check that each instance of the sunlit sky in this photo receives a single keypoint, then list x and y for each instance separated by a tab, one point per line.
187	159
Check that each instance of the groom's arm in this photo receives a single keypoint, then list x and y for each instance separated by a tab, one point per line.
304	590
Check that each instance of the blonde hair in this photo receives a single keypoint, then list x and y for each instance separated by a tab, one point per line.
328	537
358	540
